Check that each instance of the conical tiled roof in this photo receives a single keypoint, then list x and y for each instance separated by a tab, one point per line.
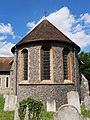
45	31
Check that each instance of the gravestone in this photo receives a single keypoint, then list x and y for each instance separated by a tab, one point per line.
87	102
51	105
67	112
73	99
6	106
84	87
10	102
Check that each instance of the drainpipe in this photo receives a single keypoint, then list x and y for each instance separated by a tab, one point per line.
16	65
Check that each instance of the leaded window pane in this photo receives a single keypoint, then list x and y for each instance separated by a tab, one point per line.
65	60
46	63
26	65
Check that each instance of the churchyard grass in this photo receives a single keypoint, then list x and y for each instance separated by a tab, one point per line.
84	112
9	115
47	115
5	115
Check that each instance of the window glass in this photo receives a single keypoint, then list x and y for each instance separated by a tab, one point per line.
25	65
7	82
65	63
46	63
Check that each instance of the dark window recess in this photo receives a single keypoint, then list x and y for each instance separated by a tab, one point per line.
7	82
0	82
65	60
46	63
26	65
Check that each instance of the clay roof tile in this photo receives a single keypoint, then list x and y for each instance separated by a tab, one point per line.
43	32
4	64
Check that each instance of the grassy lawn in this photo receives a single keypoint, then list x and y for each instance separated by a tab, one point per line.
84	112
8	115
47	115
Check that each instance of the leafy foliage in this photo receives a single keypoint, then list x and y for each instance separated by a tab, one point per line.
22	109
34	109
85	64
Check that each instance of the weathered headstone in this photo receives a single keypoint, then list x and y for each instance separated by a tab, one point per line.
84	87
87	102
51	105
6	106
73	99
67	112
10	102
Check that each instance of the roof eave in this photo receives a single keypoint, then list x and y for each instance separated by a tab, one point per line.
72	43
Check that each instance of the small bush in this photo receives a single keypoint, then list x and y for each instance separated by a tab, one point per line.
22	109
34	109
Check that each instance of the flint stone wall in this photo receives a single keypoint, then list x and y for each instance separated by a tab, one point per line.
45	92
58	90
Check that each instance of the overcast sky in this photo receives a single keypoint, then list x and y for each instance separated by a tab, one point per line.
18	17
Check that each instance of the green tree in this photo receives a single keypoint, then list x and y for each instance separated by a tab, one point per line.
84	58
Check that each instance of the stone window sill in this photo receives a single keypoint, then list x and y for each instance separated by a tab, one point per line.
24	82
47	82
68	82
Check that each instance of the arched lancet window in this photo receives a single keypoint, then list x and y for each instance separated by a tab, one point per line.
25	64
45	61
67	64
